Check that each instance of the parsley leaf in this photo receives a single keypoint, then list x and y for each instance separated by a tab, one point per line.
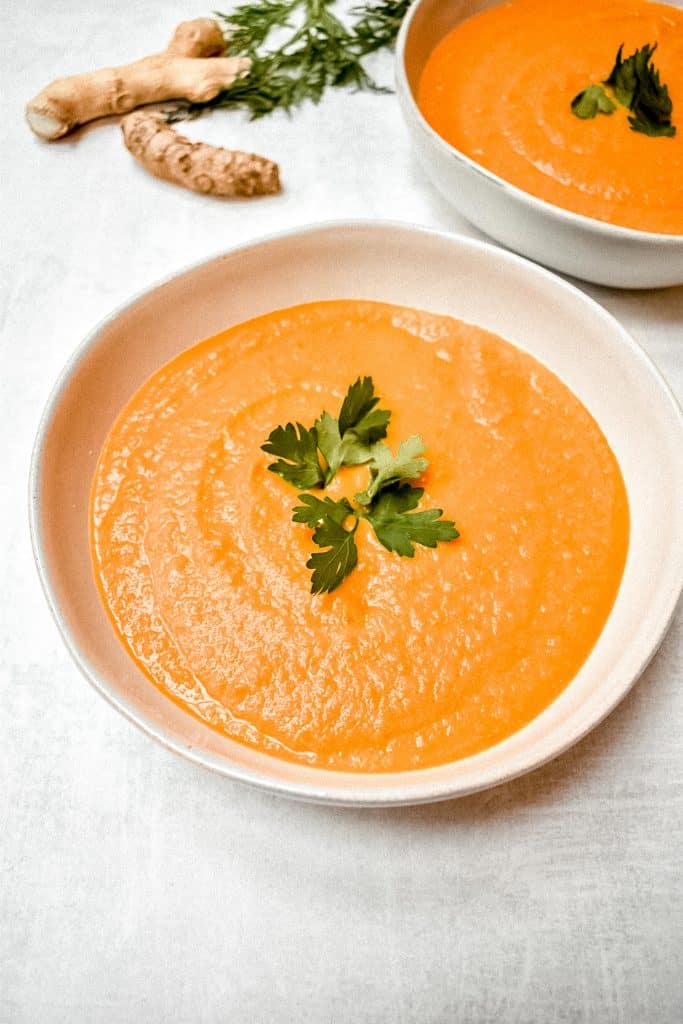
652	107
330	444
372	427
314	511
348	441
332	566
359	402
339	451
592	101
637	85
622	78
652	128
298	462
398	531
387	469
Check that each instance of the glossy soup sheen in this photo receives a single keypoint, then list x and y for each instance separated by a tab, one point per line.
500	85
411	662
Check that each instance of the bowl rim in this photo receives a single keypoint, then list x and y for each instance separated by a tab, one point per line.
423	790
615	232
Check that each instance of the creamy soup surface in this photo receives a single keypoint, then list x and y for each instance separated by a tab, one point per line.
410	662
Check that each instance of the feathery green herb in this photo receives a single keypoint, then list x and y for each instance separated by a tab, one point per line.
378	24
315	50
388	502
636	84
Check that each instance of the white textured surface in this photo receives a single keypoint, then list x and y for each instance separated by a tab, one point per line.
136	886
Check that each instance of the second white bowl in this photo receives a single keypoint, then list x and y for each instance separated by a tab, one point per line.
586	248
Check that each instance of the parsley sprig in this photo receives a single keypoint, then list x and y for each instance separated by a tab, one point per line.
315	50
636	84
387	503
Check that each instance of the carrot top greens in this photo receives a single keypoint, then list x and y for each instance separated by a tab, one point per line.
298	49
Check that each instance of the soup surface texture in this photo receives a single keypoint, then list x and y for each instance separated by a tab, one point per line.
499	88
410	662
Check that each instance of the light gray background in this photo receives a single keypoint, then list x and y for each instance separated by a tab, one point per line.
138	887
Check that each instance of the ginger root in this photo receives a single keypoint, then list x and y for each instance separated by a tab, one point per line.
190	68
196	165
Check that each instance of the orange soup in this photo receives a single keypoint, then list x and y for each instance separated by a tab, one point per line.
411	662
499	88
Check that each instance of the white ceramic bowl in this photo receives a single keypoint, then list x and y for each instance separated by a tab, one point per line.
577	245
426	269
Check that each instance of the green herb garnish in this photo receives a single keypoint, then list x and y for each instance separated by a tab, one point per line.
622	77
592	101
298	462
398	531
327	519
387	503
316	50
636	84
349	440
357	411
346	441
387	469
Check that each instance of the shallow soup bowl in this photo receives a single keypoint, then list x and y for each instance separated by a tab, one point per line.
425	269
586	248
